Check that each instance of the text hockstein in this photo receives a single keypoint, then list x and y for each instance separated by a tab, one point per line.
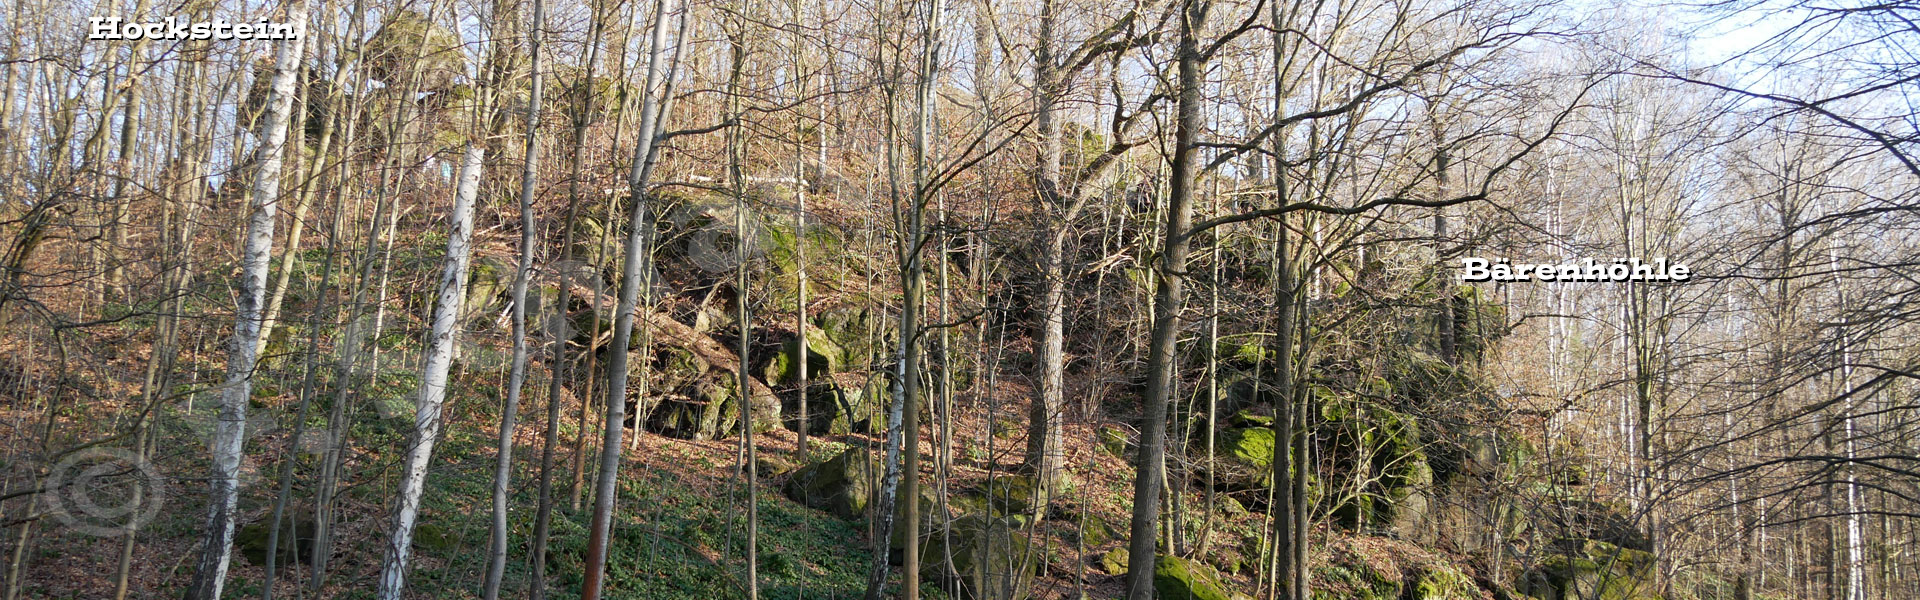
1616	270
175	28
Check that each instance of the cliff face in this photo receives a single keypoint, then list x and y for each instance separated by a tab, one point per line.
1426	484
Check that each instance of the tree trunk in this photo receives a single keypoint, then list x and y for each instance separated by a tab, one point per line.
1044	452
517	377
635	279
210	573
1169	299
129	136
433	376
557	362
743	295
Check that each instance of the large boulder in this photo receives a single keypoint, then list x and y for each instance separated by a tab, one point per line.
1176	578
488	281
1593	570
823	360
989	557
698	393
1382	447
1015	497
709	409
1240	390
831	409
930	518
1114	441
1244	460
411	43
847	485
1573	518
1114	562
1350	578
1246	457
842	485
859	328
295	543
1017	494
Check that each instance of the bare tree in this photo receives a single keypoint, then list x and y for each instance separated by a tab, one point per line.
636	279
263	200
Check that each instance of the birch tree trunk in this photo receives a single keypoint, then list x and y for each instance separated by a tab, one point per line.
904	435
229	434
433	376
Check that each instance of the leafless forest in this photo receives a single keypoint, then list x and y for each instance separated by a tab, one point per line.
969	299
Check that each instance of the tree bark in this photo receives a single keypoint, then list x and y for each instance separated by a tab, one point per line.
1044	452
1169	300
517	377
635	279
210	572
433	376
557	362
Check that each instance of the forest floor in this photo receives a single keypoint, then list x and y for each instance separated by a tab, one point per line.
680	526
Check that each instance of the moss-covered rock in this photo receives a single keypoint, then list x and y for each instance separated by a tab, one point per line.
823	360
488	280
1384	448
433	538
409	40
991	558
1176	578
831	409
1594	570
296	541
1095	531
1114	440
824	250
1354	580
1569	474
1250	418
1245	457
1497	455
930	518
1239	391
1016	495
842	485
1580	519
709	409
1011	497
855	409
1114	562
828	408
855	328
769	465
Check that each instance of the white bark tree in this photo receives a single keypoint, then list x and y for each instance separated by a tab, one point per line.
433	375
229	434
